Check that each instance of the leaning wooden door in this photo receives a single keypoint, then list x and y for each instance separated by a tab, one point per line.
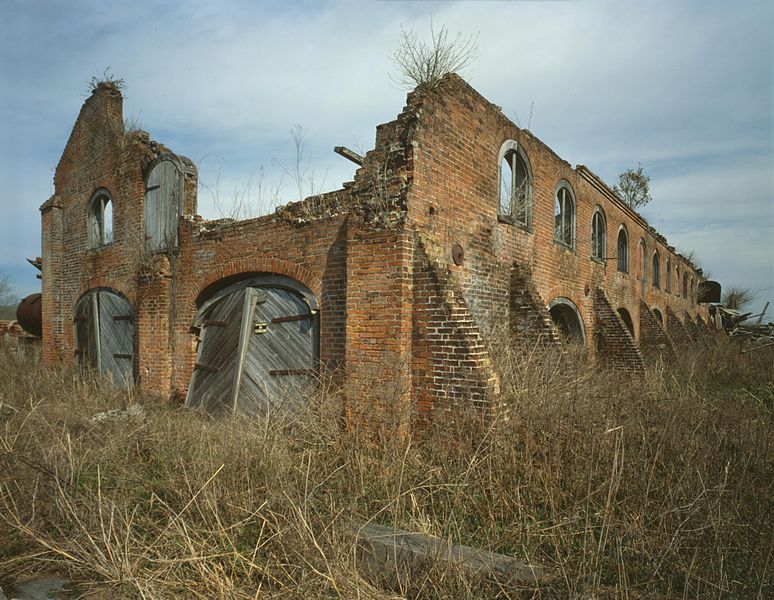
258	349
212	382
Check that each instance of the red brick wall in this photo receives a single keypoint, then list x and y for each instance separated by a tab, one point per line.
455	196
399	316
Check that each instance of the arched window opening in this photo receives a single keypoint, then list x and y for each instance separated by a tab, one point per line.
677	275
100	219
668	275
564	216
656	271
693	292
567	319
515	186
623	251
627	319
643	263
598	235
658	315
685	285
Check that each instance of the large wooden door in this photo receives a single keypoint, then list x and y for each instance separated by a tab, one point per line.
258	348
163	205
104	335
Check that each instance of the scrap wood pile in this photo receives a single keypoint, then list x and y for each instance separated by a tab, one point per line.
746	328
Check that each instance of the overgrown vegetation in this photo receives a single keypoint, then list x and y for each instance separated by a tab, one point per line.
738	297
634	187
106	80
420	62
661	486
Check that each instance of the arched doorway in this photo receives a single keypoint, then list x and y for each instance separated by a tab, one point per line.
627	319
258	347
104	335
567	319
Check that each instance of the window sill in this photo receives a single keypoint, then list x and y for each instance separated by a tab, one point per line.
96	249
565	247
507	220
599	261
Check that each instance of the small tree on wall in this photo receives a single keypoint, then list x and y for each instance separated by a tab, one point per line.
420	62
634	187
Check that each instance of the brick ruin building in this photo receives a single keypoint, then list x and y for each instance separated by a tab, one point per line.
459	227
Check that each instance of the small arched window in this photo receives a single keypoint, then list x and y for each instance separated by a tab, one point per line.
685	285
515	186
598	234
668	275
643	263
623	250
100	219
656	270
564	216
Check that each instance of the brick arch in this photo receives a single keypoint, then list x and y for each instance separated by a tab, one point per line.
574	294
274	266
569	301
105	283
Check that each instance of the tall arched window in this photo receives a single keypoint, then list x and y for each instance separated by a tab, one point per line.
598	234
656	270
677	279
564	216
100	219
685	284
643	263
668	275
515	185
623	250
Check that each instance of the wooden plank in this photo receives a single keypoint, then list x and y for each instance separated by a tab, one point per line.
248	309
292	318
213	323
281	372
119	355
207	368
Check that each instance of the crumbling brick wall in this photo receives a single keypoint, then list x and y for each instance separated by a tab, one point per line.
414	270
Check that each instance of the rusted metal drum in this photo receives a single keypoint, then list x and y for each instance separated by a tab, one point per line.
29	314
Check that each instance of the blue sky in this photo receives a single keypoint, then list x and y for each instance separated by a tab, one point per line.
684	88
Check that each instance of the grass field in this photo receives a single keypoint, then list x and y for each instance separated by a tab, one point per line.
653	487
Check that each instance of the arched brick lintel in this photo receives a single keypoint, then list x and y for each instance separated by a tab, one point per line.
274	266
105	283
582	303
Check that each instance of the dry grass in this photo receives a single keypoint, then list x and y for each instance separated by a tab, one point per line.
656	487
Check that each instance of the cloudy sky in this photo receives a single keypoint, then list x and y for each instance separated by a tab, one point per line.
684	88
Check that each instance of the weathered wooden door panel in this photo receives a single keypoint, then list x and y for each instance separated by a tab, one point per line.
216	358
104	333
116	333
280	362
86	347
269	349
163	202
